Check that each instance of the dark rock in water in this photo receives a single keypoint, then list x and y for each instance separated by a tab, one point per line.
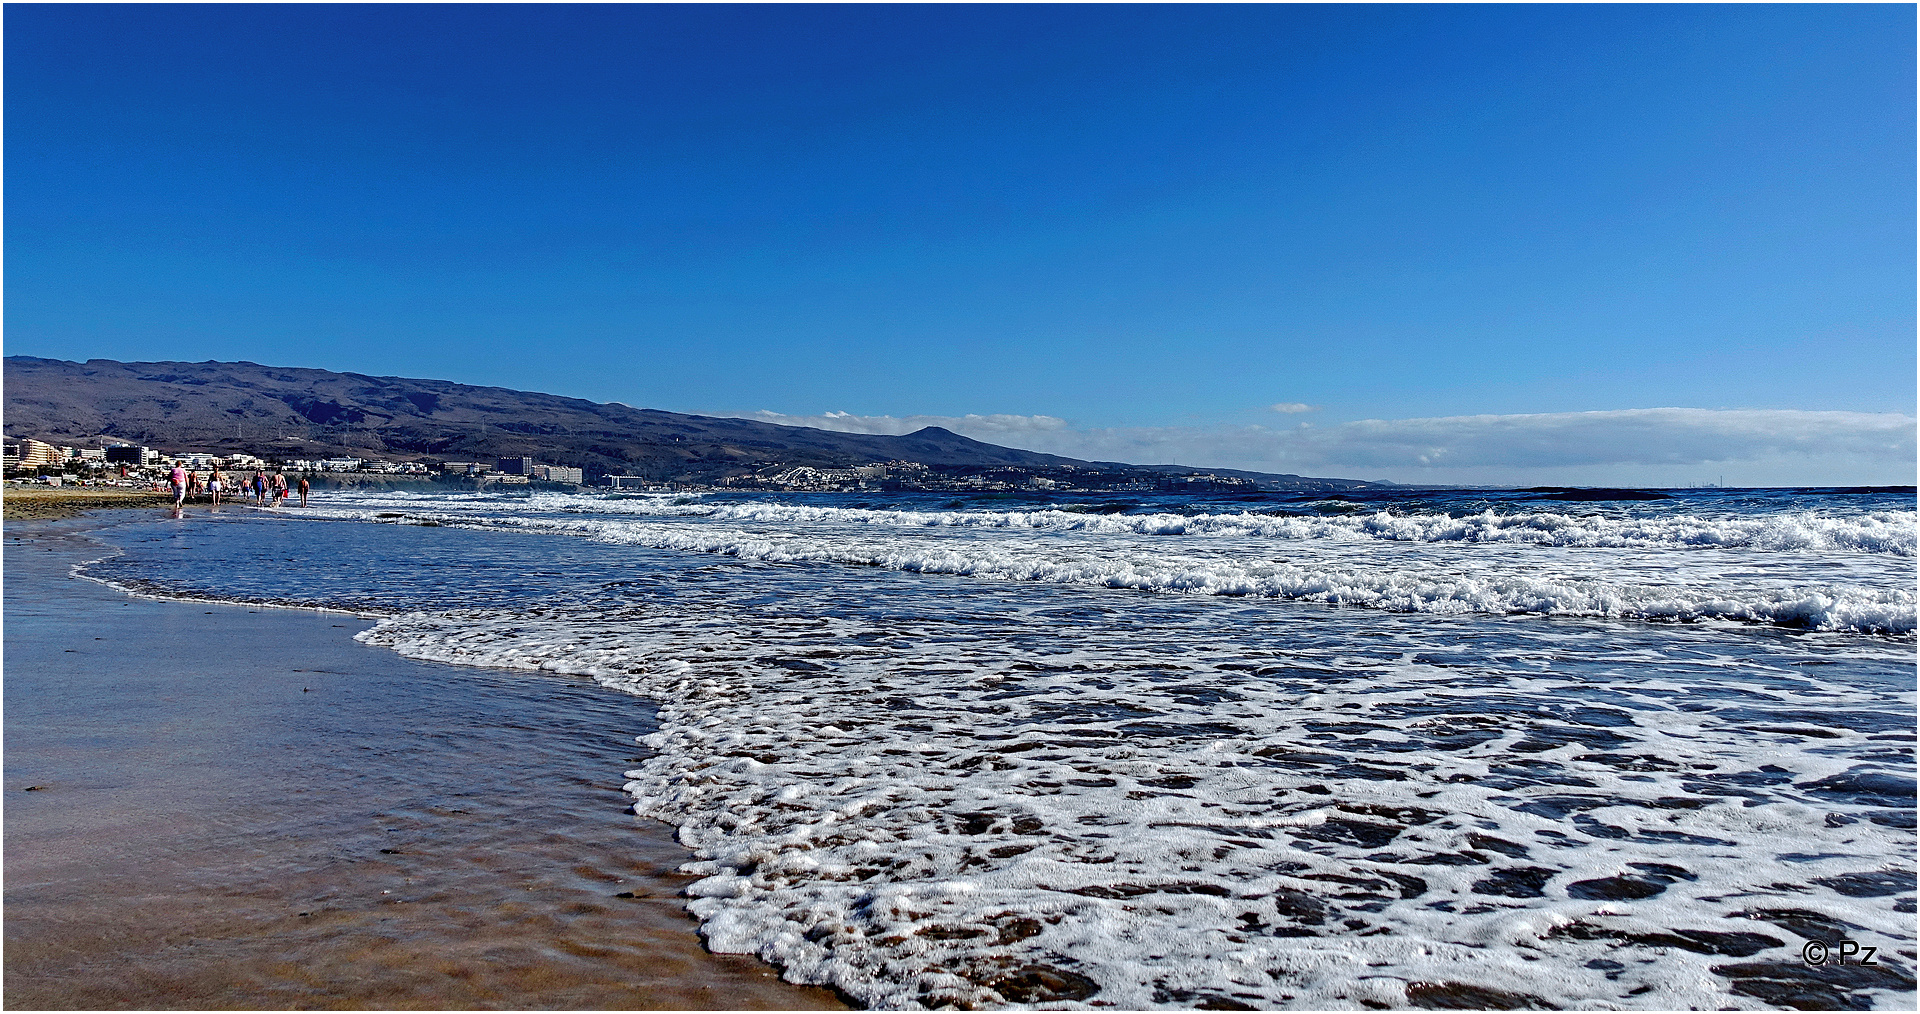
1732	945
1575	493
1466	858
1410	887
1402	814
1812	925
1515	882
1869	885
1542	738
977	823
1611	718
1592	825
1122	891
1222	1003
1459	996
1612	968
1300	907
1557	807
1832	986
1014	930
1631	762
951	932
1865	788
1677	803
1617	888
1168	996
1350	832
1043	984
1492	844
1665	870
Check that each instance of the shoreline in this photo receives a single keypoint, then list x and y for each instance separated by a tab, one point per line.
224	806
27	503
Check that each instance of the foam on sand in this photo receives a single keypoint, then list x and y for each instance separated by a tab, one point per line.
1019	805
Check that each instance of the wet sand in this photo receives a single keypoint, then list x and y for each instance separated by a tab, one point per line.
27	502
216	807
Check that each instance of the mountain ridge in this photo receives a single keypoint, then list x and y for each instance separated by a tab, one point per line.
301	412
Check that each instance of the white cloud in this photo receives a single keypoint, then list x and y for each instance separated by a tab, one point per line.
1293	407
1630	447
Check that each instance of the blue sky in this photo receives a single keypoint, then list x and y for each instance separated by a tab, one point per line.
1073	228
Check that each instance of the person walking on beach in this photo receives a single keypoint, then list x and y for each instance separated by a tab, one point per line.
179	478
260	488
279	487
303	491
213	486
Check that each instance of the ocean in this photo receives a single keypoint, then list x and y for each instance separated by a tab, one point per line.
1226	751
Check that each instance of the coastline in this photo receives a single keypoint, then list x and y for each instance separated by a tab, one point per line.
27	503
231	807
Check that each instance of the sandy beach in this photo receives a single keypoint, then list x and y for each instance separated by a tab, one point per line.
222	807
22	503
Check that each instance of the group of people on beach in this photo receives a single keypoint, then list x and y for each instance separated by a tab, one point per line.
263	489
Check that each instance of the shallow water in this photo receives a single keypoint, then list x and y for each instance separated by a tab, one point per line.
1281	752
237	808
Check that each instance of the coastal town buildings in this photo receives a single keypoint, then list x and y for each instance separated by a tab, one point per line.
131	454
122	462
31	453
126	461
559	473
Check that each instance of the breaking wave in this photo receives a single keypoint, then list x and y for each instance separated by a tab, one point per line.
1799	569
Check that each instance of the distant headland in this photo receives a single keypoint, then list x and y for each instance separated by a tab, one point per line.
316	420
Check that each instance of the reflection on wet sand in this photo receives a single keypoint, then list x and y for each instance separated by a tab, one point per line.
246	809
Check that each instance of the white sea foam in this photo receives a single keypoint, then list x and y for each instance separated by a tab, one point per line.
1794	569
1883	532
1886	532
1022	804
990	791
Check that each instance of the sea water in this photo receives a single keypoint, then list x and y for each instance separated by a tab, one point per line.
1308	750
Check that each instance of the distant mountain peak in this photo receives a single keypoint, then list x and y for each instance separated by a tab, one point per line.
287	412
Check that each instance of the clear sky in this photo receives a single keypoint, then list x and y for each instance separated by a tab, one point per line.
1294	238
